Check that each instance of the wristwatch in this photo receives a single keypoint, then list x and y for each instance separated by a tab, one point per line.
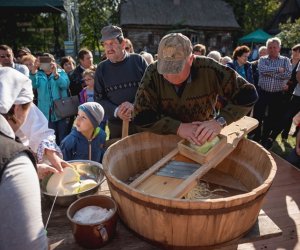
221	121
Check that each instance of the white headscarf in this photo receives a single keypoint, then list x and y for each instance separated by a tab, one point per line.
15	88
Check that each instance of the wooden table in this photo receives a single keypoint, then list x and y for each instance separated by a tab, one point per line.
60	233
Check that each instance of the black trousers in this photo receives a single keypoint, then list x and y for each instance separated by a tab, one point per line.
269	111
292	109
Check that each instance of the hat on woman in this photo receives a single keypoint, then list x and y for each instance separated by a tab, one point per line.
15	88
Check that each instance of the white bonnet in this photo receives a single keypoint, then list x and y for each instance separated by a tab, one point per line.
15	88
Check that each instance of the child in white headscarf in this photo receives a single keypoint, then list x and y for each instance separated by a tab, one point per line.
21	224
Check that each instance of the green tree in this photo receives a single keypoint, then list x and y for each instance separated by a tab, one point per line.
93	15
255	14
290	33
41	32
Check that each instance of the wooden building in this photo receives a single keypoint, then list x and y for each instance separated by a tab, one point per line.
289	9
145	22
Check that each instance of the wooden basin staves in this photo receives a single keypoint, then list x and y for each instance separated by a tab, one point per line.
183	223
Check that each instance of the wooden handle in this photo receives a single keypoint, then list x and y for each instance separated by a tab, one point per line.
125	128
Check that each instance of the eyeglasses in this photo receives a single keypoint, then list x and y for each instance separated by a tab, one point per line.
7	55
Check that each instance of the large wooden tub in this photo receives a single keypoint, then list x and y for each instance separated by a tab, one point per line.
183	223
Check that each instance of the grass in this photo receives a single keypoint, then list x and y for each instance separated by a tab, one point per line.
283	148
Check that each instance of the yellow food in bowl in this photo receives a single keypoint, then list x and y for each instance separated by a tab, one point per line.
68	182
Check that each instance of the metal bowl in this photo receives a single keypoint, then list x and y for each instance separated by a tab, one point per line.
87	170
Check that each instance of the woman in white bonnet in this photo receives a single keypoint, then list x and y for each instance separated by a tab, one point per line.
21	224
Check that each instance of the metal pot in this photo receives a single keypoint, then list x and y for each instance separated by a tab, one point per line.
87	170
94	235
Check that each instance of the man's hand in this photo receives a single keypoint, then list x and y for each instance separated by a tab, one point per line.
125	111
206	131
187	131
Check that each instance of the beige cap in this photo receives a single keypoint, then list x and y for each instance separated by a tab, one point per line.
173	51
111	32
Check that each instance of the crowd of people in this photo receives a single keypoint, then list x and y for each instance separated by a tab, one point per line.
183	91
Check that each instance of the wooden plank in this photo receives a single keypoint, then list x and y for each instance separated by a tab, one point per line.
153	168
159	185
219	178
125	128
192	181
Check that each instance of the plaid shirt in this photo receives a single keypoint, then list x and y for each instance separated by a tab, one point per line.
270	79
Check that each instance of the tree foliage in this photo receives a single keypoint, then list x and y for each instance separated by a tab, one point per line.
41	32
93	15
290	33
255	14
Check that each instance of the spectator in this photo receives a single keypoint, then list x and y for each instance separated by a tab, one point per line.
29	61
178	93
147	56
87	94
21	214
86	140
215	55
262	51
294	156
51	83
225	59
254	54
117	80
199	49
274	71
85	62
77	84
67	63
293	106
7	60
23	51
240	62
128	46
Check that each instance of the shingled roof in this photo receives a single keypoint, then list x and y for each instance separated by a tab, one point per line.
39	5
206	14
